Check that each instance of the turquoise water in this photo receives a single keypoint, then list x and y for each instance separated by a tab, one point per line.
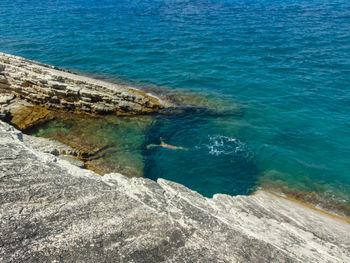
277	72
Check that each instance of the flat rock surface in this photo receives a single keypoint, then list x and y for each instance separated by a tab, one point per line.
53	211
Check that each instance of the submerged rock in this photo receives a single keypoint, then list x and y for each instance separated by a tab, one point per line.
51	210
26	117
106	144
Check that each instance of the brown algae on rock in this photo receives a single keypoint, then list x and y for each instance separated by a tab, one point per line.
106	144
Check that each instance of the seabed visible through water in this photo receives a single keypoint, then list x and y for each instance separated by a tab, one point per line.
212	162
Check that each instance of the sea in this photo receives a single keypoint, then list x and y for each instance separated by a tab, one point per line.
265	84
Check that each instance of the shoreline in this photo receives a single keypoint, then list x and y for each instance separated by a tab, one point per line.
116	217
307	205
282	195
57	89
43	112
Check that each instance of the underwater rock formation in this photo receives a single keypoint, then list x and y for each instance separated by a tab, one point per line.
53	211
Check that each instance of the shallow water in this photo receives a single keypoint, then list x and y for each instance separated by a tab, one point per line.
276	75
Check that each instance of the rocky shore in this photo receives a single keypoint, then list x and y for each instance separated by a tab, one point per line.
32	92
54	211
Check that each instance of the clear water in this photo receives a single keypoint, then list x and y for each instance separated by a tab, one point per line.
284	64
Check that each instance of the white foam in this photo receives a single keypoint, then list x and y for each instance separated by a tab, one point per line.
219	144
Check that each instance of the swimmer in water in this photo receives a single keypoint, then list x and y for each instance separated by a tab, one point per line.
165	145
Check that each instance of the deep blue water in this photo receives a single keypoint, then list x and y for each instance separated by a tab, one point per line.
277	73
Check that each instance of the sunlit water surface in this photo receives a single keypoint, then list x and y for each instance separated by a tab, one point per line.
275	76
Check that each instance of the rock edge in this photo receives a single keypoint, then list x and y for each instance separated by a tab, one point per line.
51	210
53	88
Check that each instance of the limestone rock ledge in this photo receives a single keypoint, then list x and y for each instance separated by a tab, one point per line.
53	211
53	88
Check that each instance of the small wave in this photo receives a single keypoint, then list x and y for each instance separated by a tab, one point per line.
224	145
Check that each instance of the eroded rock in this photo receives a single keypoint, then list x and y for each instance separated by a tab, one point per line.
28	116
52	211
53	88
